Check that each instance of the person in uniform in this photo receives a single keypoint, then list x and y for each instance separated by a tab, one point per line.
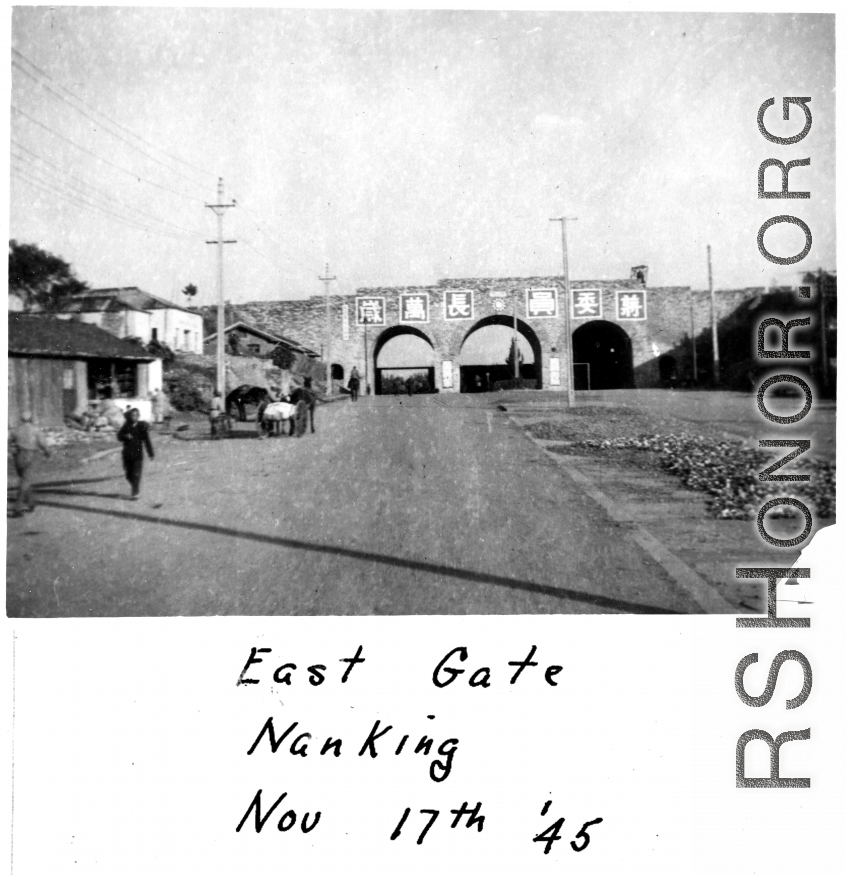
25	441
353	384
216	411
135	436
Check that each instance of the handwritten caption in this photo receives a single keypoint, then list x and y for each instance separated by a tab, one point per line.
383	739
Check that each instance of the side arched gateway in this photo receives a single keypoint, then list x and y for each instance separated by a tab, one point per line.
401	354
484	358
602	355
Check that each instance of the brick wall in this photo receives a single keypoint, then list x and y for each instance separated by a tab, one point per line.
669	320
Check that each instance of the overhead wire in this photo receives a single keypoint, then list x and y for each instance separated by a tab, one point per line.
97	200
100	192
131	173
87	205
108	118
102	128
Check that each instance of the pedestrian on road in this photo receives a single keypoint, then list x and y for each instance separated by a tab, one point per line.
135	436
353	383
157	404
215	413
25	441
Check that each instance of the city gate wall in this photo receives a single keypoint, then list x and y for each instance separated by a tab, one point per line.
668	321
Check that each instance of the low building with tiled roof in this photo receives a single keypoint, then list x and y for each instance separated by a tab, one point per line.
56	367
131	312
247	339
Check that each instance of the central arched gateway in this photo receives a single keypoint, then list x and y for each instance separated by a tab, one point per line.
602	355
403	353
484	363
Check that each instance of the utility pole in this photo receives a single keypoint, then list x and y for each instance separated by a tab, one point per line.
693	343
568	340
218	209
326	280
367	378
516	366
822	328
716	357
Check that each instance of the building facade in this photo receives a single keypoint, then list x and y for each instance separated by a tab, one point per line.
56	367
624	333
132	312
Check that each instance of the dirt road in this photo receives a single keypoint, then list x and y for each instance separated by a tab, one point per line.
397	505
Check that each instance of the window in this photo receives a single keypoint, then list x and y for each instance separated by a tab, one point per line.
254	348
155	334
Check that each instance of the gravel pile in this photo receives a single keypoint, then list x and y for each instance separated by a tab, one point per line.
724	469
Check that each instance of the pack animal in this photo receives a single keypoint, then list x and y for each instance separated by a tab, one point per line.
272	416
243	395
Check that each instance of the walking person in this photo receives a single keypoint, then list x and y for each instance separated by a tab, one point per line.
25	441
353	384
135	436
157	404
216	411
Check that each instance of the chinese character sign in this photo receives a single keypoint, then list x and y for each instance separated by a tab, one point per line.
586	304
458	305
542	303
632	305
370	311
414	308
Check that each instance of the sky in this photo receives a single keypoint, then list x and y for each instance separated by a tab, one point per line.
403	147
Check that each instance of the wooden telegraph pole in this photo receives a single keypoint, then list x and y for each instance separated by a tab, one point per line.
218	209
568	340
326	279
716	358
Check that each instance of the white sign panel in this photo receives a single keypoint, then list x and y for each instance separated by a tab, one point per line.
345	321
458	304
542	303
414	308
586	304
631	306
446	375
370	311
554	372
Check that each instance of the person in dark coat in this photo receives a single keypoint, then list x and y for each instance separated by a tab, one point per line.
25	441
353	384
135	436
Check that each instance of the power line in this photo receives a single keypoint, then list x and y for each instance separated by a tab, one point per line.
77	191
90	207
109	118
131	173
117	136
260	226
93	206
100	192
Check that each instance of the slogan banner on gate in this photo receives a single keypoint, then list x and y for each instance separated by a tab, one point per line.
542	303
370	311
414	309
458	304
586	304
631	305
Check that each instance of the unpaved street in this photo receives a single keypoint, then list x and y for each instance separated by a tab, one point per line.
397	505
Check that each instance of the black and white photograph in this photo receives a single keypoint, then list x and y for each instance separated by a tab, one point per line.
412	312
378	375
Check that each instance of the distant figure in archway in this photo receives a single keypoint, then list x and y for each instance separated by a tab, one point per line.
353	384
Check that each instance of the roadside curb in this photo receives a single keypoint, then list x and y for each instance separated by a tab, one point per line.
698	589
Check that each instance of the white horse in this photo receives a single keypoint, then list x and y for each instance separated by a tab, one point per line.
278	412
